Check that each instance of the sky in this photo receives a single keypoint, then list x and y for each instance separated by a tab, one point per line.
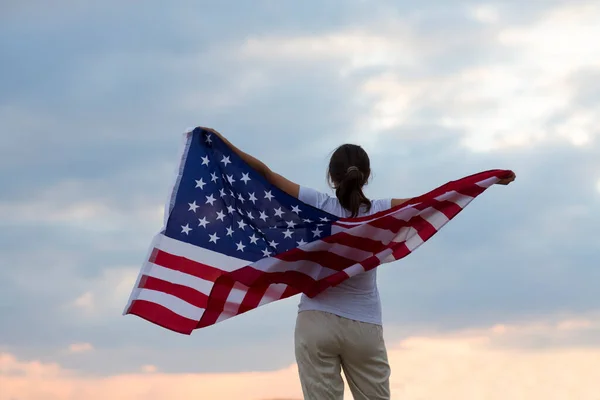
95	97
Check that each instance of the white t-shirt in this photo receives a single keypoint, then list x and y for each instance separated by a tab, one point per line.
355	298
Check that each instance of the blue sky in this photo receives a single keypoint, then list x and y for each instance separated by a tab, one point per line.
94	99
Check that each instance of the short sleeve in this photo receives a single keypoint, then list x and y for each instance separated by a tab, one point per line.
380	205
312	197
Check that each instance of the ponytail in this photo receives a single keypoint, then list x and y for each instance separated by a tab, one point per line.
349	192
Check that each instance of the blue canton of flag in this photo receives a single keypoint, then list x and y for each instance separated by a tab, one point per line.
223	205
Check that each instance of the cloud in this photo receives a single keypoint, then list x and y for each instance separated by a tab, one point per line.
91	118
80	348
471	364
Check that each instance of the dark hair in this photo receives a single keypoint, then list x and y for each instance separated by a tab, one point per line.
349	171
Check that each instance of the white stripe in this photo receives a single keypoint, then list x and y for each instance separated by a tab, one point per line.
274	292
201	255
173	303
310	268
338	249
460	199
413	240
180	278
371	232
436	218
354	270
486	183
403	234
386	255
401	210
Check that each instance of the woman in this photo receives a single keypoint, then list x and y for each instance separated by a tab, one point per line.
341	328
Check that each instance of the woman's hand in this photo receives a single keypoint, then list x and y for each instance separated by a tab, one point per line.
508	179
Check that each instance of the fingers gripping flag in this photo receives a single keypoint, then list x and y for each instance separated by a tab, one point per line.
232	241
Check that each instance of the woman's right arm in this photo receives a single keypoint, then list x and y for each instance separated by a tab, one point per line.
398	202
291	188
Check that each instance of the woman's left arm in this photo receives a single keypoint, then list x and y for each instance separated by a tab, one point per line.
272	177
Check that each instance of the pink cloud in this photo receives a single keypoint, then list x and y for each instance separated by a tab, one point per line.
469	365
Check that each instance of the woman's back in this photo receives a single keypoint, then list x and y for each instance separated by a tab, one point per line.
355	298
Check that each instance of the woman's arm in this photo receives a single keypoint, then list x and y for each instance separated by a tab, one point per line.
504	181
274	178
397	202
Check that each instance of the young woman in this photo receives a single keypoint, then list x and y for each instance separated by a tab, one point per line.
340	329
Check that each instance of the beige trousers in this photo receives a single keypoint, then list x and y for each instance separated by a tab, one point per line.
326	344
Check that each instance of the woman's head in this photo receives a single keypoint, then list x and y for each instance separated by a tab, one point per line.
349	170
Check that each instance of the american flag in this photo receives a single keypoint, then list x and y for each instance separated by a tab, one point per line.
233	242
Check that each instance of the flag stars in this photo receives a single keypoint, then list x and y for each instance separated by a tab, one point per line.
287	234
241	198
268	195
186	229
221	216
214	238
230	180
317	232
205	160
301	242
242	224
308	221
273	244
210	199
240	246
208	138
226	160
252	198
296	209
291	224
253	239
324	219
250	215
229	231
245	178
266	253
230	209
263	216
222	192
214	177
278	212
193	206
203	222
200	183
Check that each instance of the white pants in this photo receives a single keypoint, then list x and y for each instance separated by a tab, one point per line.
326	344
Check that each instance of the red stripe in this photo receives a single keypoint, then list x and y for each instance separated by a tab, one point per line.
321	257
401	250
448	208
185	293
185	265
357	242
253	298
217	299
472	191
162	316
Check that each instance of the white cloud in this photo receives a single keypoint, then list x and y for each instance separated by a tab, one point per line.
78	204
485	13
106	295
506	102
77	348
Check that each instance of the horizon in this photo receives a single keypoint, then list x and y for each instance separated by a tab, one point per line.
94	100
